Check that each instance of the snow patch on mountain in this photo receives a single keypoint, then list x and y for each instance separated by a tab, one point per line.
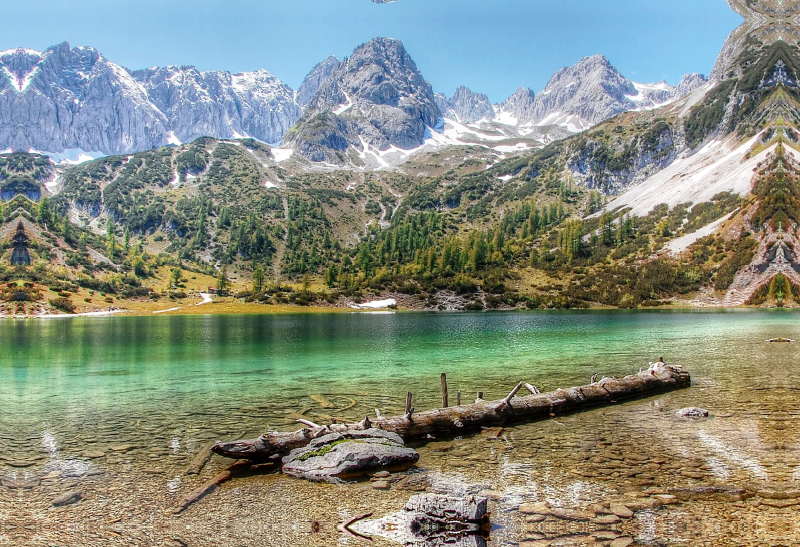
74	156
719	167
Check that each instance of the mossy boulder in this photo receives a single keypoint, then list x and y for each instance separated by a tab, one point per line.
341	455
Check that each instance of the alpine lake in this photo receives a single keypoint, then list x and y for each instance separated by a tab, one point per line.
118	408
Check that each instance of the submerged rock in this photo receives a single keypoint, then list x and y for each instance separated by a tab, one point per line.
692	413
432	520
339	455
68	499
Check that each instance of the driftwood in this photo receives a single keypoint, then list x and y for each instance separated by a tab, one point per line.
209	486
200	460
460	419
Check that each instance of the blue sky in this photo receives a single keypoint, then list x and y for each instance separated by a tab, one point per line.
492	46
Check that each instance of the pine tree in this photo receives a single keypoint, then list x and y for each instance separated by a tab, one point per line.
258	279
44	214
222	281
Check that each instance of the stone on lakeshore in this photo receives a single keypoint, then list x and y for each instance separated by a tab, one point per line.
471	509
68	498
442	446
414	483
780	504
571	514
431	519
692	413
339	455
605	535
716	493
540	508
621	511
779	495
535	518
666	499
94	454
642	504
492	433
606	519
622	542
382	475
380	485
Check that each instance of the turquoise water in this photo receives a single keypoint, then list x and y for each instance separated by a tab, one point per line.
119	407
212	363
226	373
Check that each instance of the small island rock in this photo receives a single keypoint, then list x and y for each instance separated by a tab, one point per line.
692	413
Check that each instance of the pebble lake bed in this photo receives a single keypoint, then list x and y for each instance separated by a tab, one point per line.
104	417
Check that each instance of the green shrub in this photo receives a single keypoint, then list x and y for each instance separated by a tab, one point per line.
63	304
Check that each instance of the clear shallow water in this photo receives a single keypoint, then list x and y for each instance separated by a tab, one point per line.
119	406
208	363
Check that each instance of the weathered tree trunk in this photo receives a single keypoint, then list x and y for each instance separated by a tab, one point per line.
459	419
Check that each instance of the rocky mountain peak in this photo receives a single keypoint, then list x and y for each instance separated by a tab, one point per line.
467	106
689	83
314	80
380	72
376	96
518	109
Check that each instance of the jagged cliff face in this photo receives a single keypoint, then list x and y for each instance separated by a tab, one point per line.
220	104
66	98
74	98
318	76
519	108
377	96
467	106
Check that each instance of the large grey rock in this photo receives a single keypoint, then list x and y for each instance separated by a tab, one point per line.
339	455
469	509
377	96
68	498
432	520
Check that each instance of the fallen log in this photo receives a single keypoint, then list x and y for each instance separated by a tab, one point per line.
200	460
460	419
222	476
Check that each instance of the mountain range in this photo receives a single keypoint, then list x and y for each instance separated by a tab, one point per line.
687	194
67	99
